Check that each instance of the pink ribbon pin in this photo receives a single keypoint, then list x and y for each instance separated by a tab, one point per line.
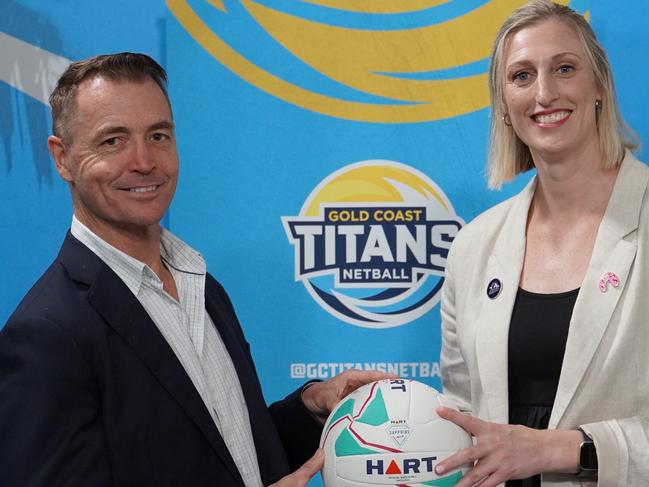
608	277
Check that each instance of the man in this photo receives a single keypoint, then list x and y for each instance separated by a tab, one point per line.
125	363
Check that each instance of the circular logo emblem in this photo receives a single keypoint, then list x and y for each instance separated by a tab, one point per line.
493	288
371	242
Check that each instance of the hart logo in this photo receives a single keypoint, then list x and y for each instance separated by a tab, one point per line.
371	242
408	466
393	468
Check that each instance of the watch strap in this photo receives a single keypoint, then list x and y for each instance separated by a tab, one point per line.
588	464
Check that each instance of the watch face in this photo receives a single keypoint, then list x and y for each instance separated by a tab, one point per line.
588	456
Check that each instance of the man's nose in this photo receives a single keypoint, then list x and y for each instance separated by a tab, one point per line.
142	158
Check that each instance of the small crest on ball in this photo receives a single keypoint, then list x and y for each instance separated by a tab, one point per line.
399	433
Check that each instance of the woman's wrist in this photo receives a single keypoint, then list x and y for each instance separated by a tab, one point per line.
562	450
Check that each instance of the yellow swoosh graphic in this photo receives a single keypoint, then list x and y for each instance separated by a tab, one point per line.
369	184
378	6
217	4
356	57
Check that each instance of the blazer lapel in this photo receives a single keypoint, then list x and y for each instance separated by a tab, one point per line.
228	327
270	456
505	265
112	299
613	252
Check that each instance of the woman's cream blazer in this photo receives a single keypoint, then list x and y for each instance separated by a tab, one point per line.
604	382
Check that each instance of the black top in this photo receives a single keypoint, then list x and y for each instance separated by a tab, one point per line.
537	341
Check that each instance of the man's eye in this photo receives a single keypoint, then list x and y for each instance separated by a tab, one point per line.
158	136
110	142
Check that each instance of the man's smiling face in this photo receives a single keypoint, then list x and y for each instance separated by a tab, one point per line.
121	160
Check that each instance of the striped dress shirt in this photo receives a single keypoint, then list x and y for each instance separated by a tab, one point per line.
191	334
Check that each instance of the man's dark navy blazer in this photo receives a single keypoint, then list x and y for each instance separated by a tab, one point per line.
91	394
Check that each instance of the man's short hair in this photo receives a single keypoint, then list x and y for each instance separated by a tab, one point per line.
123	66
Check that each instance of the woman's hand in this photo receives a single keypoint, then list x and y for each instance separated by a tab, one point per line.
502	452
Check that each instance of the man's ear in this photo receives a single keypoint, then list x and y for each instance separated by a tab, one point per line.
58	153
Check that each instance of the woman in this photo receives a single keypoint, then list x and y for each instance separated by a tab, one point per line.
546	298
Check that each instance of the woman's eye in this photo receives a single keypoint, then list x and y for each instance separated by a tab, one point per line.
566	68
521	76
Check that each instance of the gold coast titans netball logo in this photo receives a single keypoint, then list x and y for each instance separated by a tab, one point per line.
389	61
371	242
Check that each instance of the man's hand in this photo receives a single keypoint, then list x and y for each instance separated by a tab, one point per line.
321	397
302	475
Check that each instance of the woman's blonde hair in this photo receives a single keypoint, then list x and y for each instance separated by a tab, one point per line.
509	155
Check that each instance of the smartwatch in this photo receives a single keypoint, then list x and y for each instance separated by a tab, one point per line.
587	456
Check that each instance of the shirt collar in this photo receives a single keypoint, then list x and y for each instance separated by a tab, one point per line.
174	253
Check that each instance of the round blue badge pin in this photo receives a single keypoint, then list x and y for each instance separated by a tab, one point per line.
494	288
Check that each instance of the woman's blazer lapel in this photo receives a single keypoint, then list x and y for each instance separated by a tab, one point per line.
505	264
614	251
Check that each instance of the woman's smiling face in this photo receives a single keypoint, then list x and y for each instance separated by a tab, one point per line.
550	90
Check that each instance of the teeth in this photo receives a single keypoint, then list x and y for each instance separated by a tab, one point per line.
143	189
552	117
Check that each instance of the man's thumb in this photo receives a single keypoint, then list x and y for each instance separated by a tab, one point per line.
310	467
